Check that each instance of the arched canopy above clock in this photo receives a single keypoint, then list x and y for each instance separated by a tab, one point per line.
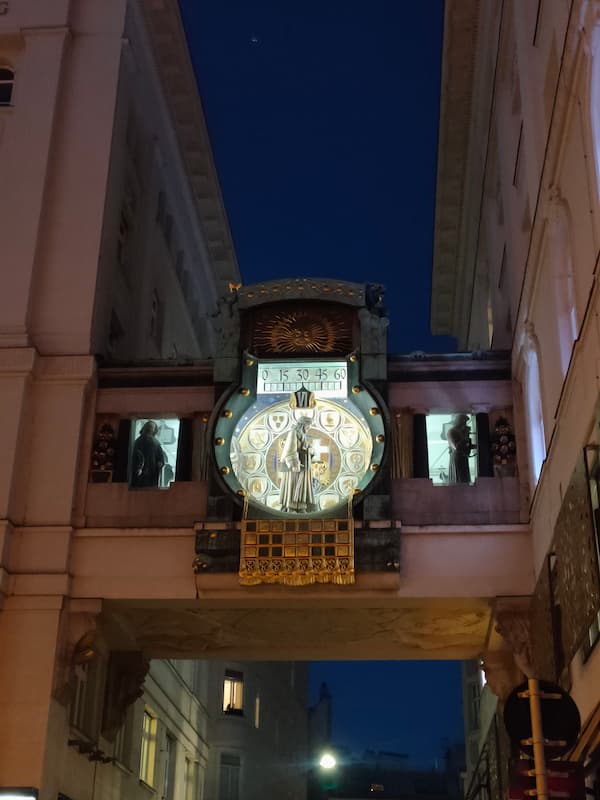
303	317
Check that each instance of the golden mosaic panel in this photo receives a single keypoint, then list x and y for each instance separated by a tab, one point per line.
310	551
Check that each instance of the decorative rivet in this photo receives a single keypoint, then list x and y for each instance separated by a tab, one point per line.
219	440
374	467
249	362
225	470
356	389
380	437
245	391
353	357
373	411
227	413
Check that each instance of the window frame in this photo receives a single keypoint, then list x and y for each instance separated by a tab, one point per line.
147	766
7	79
233	681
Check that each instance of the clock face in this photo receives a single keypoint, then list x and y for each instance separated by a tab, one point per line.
297	460
299	437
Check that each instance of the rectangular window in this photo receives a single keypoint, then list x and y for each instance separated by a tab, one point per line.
153	453
451	447
148	749
233	689
169	773
122	746
229	777
190	779
85	707
257	711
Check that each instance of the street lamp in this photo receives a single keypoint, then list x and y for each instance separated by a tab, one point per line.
327	761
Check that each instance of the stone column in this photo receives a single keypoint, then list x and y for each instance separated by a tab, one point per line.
420	454
485	467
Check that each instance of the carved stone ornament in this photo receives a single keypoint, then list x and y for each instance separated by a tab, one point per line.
514	627
127	672
77	645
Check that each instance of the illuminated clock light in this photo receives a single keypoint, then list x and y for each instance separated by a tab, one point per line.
373	411
225	470
245	391
356	389
353	358
249	362
219	441
374	467
228	413
380	438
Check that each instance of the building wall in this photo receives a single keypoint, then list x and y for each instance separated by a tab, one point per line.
271	743
530	210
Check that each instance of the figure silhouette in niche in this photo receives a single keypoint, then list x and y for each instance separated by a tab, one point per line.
460	446
148	458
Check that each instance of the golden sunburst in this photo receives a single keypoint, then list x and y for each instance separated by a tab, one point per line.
301	331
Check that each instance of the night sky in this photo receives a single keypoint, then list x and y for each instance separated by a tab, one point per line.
323	118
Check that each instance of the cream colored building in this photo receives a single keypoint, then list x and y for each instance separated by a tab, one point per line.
516	254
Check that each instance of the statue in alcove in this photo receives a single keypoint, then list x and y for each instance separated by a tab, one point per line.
148	458
460	446
504	449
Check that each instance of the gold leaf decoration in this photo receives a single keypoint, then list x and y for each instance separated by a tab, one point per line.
302	331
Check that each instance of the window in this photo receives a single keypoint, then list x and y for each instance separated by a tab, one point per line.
169	772
229	777
148	750
233	687
563	277
257	711
451	448
190	779
533	411
154	452
7	80
84	714
122	746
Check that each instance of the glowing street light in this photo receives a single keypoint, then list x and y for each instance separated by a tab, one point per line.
327	761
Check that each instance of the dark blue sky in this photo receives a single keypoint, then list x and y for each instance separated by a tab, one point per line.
400	706
323	118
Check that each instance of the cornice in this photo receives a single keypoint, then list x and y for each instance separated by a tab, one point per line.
460	33
169	45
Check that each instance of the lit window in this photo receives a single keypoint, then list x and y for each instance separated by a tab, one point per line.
257	711
148	750
233	688
451	448
7	80
154	453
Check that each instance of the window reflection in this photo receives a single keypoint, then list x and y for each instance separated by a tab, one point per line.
154	452
452	448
